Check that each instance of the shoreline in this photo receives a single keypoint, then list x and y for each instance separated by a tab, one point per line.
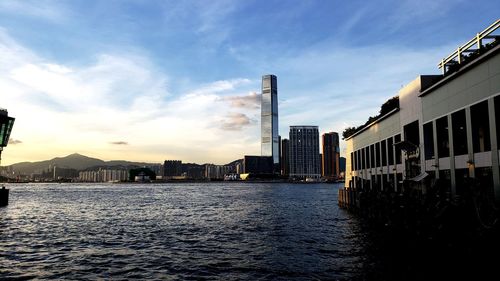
173	182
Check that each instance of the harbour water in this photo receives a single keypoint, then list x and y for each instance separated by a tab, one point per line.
204	231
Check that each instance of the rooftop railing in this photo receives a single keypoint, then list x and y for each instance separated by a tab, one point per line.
475	45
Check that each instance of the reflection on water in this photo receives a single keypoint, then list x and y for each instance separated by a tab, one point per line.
223	231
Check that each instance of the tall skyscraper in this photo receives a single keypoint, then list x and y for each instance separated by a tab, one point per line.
269	119
331	155
304	152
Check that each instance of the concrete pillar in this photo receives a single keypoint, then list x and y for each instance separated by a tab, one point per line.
395	169
363	167
470	145
435	143
380	168
452	157
368	159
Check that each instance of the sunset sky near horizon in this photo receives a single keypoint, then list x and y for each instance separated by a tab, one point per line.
156	80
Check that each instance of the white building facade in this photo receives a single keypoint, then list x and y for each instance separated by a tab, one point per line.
444	132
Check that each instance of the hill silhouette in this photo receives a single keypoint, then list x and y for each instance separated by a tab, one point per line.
73	161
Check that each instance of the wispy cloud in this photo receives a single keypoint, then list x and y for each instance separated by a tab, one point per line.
412	12
220	86
251	101
85	106
119	143
346	27
14	141
161	75
346	85
235	122
48	10
213	16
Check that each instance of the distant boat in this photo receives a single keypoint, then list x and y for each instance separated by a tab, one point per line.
312	180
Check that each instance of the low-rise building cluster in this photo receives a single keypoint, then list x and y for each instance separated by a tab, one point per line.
104	175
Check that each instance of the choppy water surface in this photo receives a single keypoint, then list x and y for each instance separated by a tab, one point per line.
215	231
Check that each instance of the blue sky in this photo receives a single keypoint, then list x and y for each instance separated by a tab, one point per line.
156	80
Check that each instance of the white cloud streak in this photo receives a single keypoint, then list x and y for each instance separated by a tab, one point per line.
61	109
47	10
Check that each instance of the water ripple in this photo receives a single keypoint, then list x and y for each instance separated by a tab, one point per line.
213	231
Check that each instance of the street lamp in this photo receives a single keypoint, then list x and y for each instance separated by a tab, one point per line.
6	124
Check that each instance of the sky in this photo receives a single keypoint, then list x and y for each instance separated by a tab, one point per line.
155	80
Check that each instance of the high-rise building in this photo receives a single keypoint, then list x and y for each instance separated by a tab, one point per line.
172	168
285	157
257	164
330	167
342	164
304	152
269	119
279	155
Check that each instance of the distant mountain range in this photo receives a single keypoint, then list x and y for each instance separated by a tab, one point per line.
74	161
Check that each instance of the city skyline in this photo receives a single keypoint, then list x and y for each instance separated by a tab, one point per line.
160	81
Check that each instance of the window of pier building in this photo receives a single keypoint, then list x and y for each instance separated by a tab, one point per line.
358	162
412	133
353	161
428	141
480	127
377	155
367	157
384	152
372	156
363	158
459	132
397	139
358	158
390	147
442	137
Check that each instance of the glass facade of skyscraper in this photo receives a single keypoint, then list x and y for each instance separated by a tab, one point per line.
331	155
304	152
269	118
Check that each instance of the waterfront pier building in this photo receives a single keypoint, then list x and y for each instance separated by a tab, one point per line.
443	131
